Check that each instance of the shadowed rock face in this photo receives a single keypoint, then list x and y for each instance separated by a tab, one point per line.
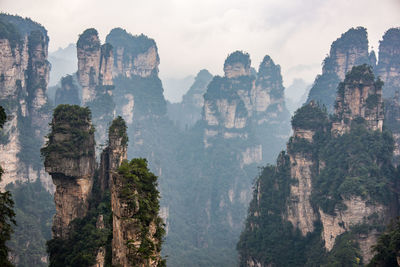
388	68
69	158
351	49
24	75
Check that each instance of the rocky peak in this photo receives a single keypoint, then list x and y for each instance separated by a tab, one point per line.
134	54
237	64
69	157
359	96
89	54
388	68
95	64
351	49
194	96
116	151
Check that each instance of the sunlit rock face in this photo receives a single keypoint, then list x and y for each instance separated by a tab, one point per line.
388	68
24	75
351	49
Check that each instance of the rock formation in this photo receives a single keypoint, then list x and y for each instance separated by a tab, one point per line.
134	55
239	105
68	93
137	229
24	74
69	158
188	112
388	68
351	49
115	152
359	96
325	187
113	211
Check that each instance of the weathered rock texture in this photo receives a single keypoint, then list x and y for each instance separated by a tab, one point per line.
359	96
388	68
24	74
188	112
69	158
351	49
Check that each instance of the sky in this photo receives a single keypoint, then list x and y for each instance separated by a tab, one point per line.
192	35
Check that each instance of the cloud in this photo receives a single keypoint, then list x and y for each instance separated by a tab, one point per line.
192	35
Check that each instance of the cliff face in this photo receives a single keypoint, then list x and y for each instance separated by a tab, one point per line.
389	62
351	49
324	187
188	112
24	74
359	96
69	158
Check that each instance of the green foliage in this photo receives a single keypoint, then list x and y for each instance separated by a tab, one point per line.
34	208
133	44
68	93
238	57
372	101
360	74
388	247
24	25
354	37
89	39
118	127
268	237
7	214
345	253
310	117
139	185
85	239
148	93
356	163
10	32
3	117
74	121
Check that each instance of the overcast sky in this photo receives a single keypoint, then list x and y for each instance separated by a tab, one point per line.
192	35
